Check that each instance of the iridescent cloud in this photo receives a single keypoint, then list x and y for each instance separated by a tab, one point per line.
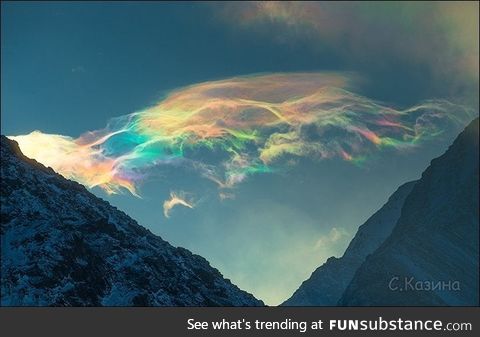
229	129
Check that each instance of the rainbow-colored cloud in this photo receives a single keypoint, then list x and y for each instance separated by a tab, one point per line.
252	124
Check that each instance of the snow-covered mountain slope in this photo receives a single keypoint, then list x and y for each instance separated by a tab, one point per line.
432	255
62	246
328	282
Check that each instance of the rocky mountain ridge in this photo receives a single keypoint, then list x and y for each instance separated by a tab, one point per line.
63	246
420	248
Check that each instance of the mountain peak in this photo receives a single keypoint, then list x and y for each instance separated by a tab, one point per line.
427	231
434	244
63	246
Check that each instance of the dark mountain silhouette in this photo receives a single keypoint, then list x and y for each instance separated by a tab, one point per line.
431	257
63	246
425	237
328	282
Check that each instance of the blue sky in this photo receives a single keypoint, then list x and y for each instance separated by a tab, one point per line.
69	67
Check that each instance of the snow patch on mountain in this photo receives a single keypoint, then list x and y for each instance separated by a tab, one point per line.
63	246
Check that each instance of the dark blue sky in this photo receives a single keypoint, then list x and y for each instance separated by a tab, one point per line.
70	67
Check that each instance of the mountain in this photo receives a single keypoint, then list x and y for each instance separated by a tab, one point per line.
432	255
328	282
62	246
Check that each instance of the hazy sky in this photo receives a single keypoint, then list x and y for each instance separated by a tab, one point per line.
68	68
